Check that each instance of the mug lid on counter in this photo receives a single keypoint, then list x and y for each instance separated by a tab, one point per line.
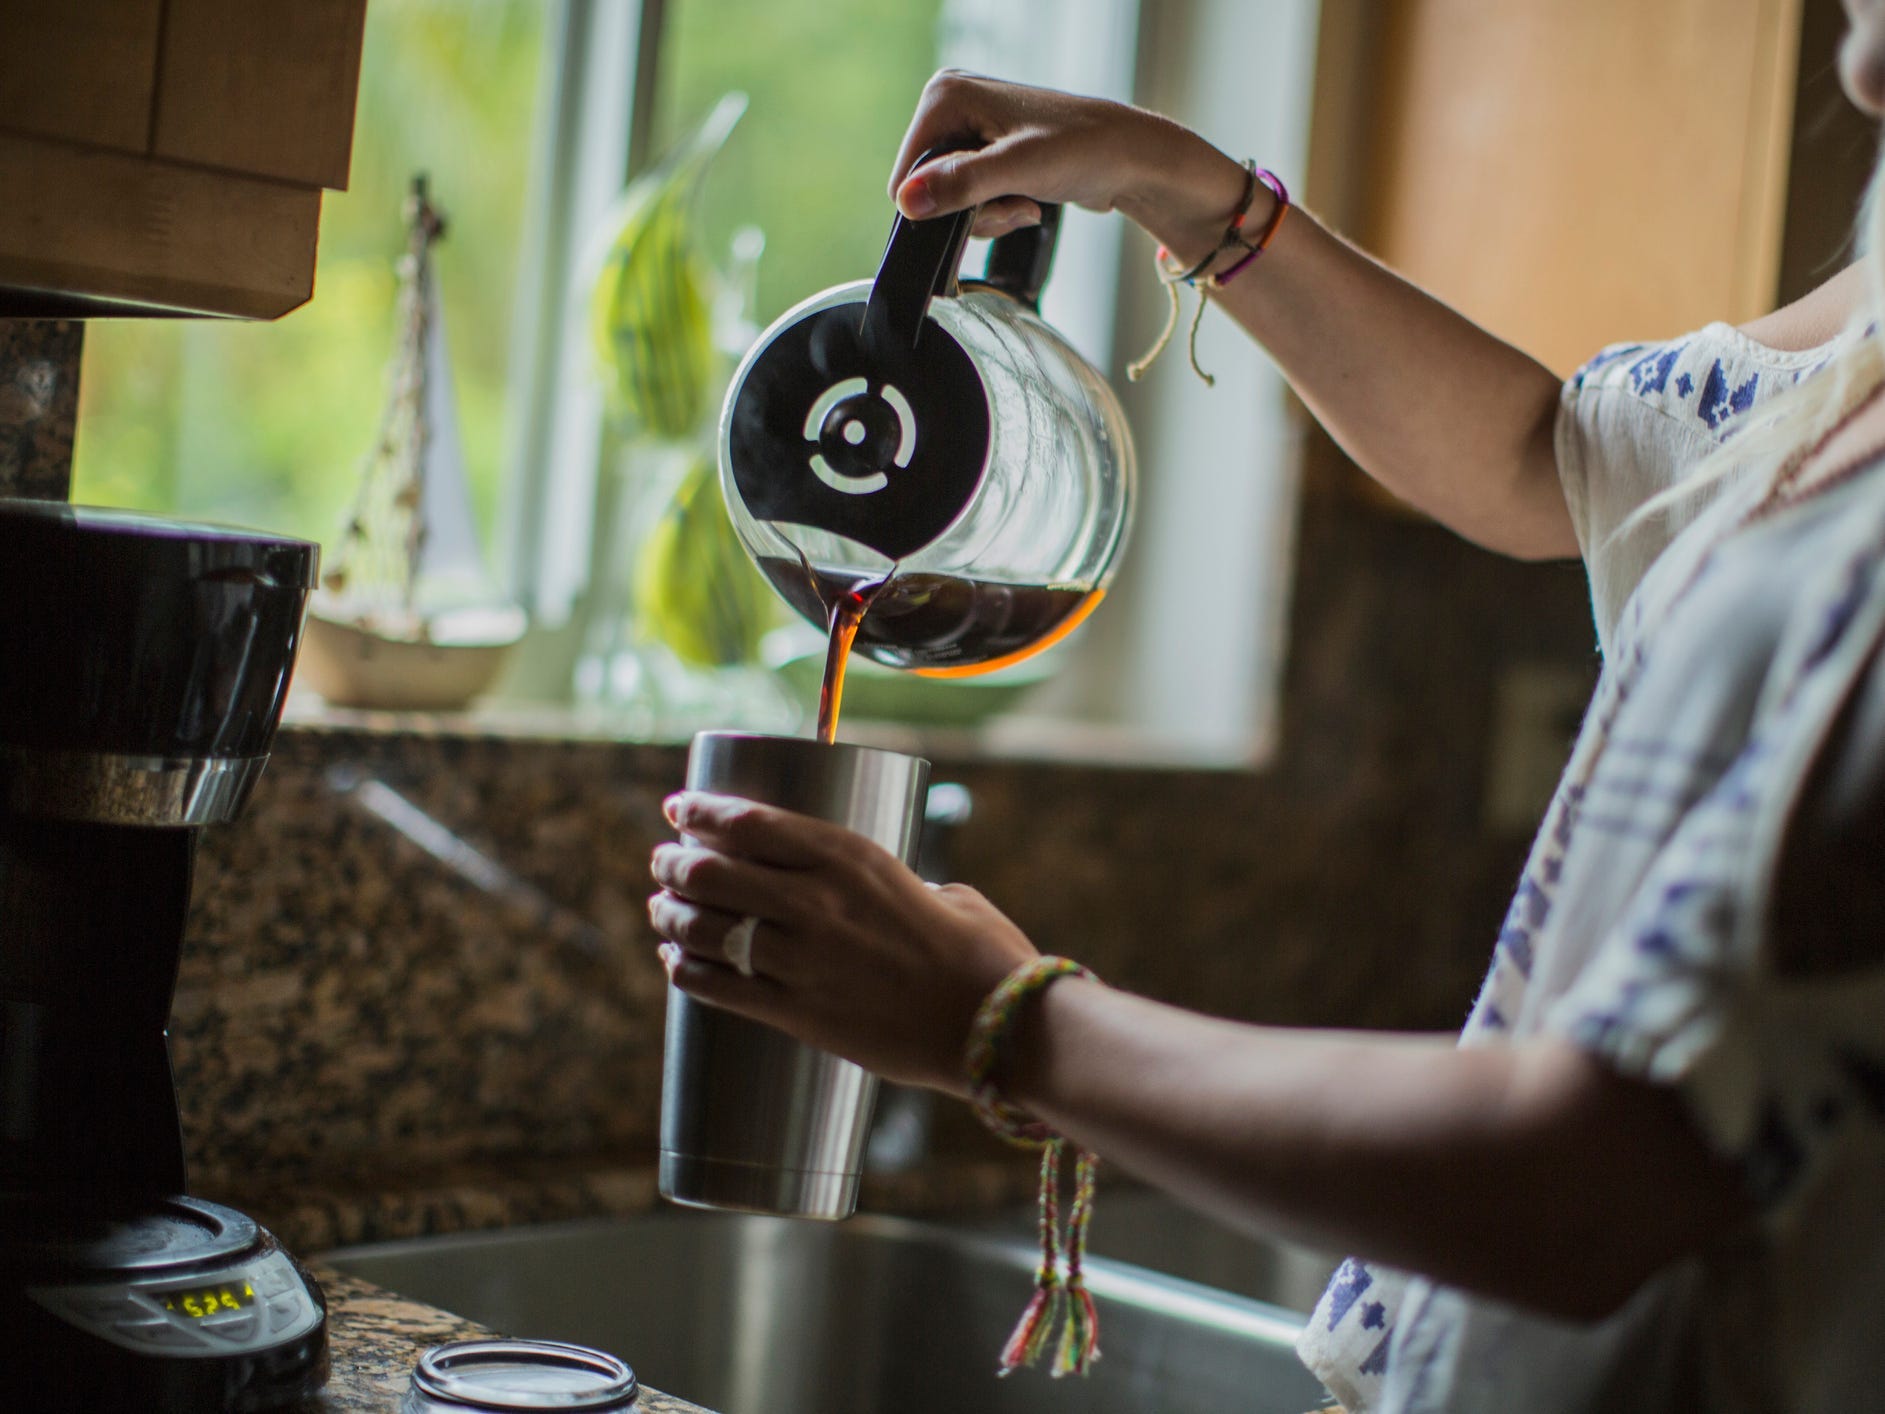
511	1375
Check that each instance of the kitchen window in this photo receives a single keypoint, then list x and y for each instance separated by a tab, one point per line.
527	115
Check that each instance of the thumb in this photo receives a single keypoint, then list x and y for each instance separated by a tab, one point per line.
1013	166
955	181
934	189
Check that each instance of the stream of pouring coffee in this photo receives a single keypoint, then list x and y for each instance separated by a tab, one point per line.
847	609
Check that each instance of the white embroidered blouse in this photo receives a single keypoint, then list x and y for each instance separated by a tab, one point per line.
1642	926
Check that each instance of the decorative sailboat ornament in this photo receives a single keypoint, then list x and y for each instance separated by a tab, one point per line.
407	615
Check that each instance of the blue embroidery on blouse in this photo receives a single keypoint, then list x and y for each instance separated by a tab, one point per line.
1523	918
1657	942
1684	386
1839	614
1374	1316
1377	1361
1345	1289
1606	356
1650	373
1719	402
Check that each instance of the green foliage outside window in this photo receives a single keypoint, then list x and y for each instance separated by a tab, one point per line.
833	84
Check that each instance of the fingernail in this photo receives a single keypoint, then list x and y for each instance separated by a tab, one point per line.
671	808
670	954
916	199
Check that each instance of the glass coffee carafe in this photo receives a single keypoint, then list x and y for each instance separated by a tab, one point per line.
935	446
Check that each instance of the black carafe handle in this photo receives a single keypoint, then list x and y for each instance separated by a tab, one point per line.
1019	262
922	257
920	262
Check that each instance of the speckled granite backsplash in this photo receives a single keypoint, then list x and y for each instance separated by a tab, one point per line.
39	396
422	952
423	957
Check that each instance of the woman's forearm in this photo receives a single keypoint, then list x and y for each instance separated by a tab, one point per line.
1525	1173
1448	417
1444	414
1437	409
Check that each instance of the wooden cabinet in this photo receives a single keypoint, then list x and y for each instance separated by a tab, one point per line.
81	71
168	156
1571	173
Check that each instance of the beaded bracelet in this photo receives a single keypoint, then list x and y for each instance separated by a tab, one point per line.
1233	239
1057	1301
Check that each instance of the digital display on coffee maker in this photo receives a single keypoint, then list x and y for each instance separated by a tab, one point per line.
198	1302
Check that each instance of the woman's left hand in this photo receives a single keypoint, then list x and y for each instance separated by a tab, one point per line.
852	952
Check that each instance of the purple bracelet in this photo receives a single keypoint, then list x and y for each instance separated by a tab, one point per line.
1281	192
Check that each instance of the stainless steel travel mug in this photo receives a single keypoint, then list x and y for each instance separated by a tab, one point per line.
751	1119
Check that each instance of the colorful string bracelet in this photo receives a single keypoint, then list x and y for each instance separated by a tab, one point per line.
1059	1301
1233	239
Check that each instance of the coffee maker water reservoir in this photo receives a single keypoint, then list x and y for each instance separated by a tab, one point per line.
143	664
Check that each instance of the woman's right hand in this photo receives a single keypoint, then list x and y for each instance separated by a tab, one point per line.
1033	145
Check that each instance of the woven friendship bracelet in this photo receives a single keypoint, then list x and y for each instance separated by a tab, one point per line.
1058	1302
1234	239
988	1035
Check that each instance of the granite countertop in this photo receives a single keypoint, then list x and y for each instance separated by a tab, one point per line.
375	1336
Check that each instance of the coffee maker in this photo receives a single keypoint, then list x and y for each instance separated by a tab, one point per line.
143	664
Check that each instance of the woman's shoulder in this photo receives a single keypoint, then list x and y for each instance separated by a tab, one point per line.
1707	378
1815	319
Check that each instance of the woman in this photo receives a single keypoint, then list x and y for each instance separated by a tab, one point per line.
1649	1176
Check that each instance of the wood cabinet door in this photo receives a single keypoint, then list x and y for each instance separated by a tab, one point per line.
80	72
261	86
1575	172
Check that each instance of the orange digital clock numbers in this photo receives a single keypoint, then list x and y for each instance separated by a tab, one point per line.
199	1302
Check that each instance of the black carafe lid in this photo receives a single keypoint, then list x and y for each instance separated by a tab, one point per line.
868	419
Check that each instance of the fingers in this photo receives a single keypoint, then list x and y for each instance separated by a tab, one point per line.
708	877
987	124
958	180
946	115
1005	214
757	997
710	934
766	834
697	928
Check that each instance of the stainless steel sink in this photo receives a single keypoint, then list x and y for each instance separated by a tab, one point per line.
755	1315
